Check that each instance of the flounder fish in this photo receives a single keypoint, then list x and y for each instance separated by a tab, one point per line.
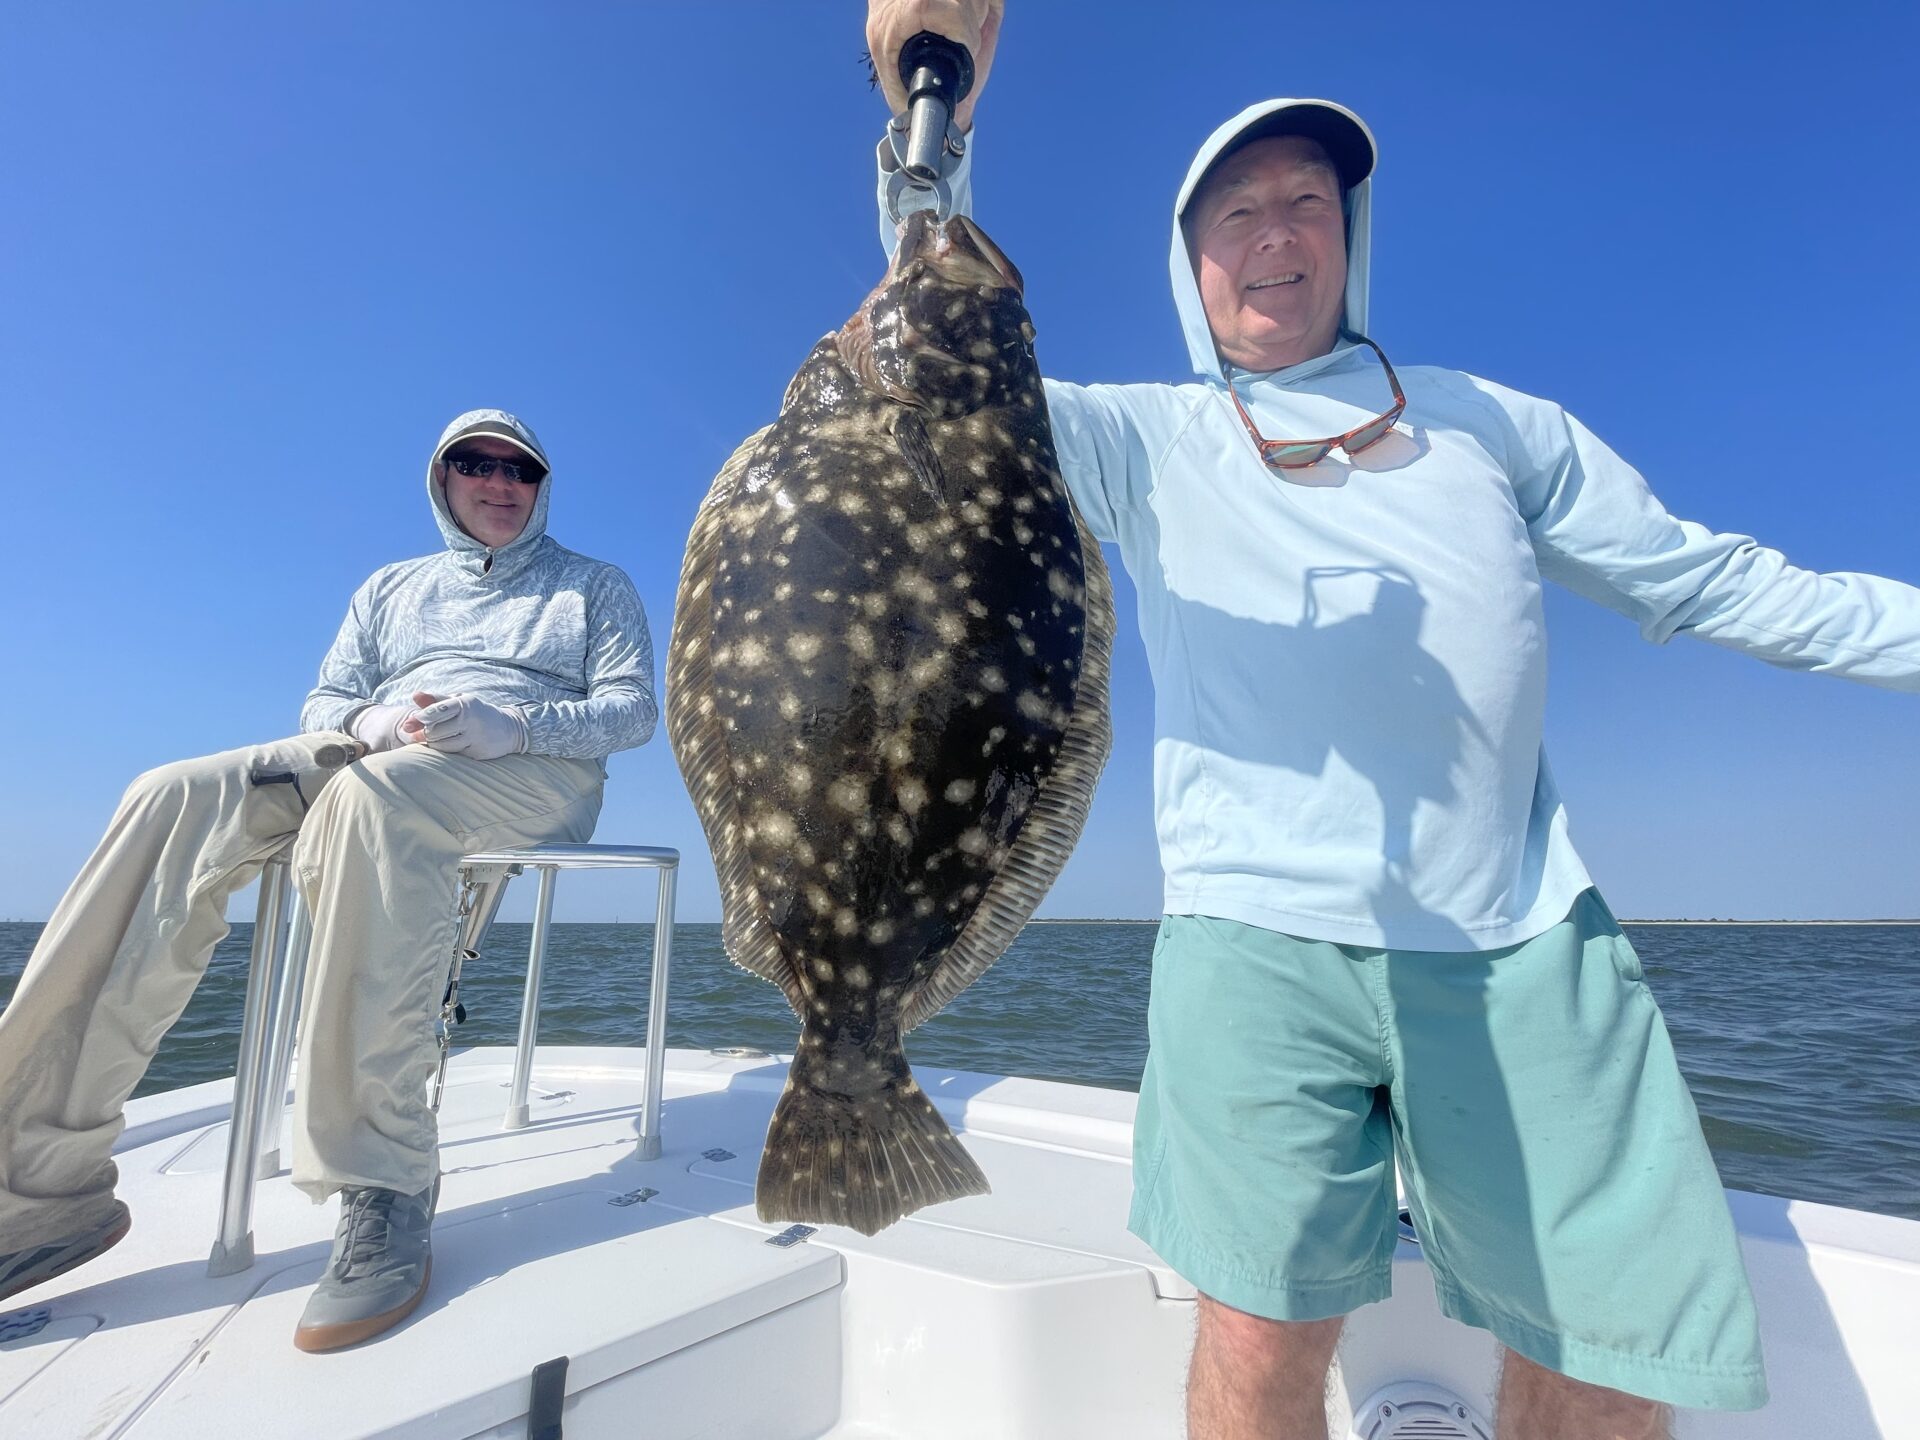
887	693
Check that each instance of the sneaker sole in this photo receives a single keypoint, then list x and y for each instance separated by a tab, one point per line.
317	1339
109	1238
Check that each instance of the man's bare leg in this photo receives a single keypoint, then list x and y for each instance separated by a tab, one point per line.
1255	1379
1538	1404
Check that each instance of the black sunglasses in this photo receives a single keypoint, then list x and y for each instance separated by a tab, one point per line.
481	466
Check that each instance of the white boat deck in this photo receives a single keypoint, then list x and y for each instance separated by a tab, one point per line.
1027	1312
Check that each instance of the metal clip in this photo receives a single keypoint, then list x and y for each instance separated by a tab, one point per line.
716	1155
901	177
790	1236
634	1197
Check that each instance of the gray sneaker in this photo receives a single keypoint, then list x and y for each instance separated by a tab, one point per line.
378	1271
22	1269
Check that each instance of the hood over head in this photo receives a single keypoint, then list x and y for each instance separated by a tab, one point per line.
1350	145
496	425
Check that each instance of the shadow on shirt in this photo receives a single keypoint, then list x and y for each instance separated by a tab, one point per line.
1360	687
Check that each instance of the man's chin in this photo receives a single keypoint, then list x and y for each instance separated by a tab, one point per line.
1276	347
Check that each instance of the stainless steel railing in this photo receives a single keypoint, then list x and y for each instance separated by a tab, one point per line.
286	1015
274	981
266	972
548	859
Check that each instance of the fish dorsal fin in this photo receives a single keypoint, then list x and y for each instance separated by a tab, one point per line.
1052	827
700	742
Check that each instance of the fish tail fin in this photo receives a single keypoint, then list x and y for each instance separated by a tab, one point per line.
860	1161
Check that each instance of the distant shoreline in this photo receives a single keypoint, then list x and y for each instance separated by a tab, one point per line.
1090	920
1770	922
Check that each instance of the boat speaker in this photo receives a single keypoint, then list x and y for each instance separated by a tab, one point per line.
1418	1410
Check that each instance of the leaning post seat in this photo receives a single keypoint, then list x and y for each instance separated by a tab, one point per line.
277	969
487	873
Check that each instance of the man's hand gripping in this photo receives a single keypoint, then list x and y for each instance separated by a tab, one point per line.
891	23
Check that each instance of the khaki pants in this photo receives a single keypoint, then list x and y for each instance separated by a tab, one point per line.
376	861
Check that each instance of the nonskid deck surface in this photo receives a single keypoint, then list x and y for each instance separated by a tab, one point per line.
1030	1311
550	1241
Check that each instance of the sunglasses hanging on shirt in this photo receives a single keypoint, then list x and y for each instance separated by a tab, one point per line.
1298	454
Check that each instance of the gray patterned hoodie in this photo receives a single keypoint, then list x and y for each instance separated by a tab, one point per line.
531	624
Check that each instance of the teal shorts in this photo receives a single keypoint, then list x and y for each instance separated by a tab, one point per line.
1550	1153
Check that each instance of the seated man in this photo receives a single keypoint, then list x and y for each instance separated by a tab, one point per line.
487	684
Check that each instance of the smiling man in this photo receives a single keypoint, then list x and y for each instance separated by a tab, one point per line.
490	487
1380	949
1270	305
485	685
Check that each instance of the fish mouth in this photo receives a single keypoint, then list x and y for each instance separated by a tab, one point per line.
994	255
957	250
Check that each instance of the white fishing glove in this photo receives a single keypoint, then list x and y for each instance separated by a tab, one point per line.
378	726
467	725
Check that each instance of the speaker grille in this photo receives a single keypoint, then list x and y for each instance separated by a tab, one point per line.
1418	1410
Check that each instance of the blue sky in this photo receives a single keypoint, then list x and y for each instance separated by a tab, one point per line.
253	257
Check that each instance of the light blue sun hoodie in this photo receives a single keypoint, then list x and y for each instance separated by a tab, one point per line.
532	624
1350	662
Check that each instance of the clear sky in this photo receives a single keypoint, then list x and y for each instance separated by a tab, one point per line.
252	257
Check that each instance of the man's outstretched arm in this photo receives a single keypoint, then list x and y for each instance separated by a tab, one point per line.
1598	529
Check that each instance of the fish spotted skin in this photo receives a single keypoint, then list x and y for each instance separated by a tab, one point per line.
890	705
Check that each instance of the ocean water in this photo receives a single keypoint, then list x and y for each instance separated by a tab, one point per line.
1801	1042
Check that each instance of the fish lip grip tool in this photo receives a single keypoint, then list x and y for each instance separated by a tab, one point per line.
922	144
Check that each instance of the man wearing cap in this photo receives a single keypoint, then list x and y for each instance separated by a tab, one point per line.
1379	943
482	688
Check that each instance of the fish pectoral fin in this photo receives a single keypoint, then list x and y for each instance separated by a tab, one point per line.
922	460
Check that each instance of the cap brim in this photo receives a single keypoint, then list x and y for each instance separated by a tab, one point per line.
1344	138
489	431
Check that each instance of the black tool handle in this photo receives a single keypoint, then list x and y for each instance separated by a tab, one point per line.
933	62
938	73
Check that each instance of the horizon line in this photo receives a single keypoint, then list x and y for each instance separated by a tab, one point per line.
1155	920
